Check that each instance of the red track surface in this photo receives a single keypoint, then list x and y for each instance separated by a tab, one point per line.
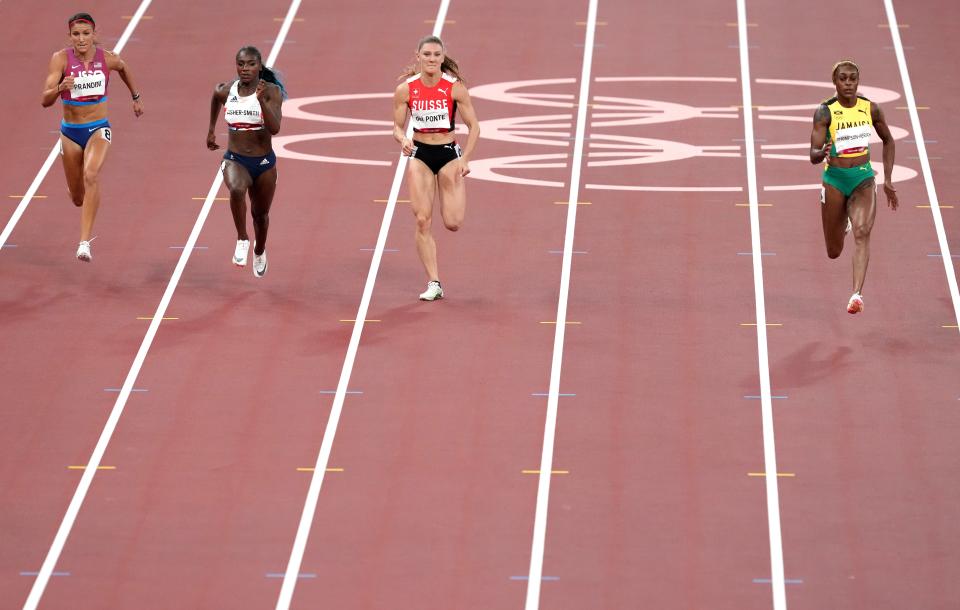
431	509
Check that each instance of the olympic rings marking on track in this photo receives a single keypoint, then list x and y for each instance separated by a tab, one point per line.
607	112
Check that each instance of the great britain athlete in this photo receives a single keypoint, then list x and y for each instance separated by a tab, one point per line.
432	94
842	127
79	75
252	109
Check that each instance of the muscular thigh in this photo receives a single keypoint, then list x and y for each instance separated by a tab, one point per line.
453	193
862	205
72	162
423	187
236	176
261	193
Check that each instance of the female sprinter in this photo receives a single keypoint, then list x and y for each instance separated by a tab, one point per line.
433	92
841	136
252	109
79	76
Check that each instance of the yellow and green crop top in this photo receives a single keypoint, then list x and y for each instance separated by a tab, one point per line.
850	128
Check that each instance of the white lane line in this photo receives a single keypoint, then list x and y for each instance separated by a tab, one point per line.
924	160
50	562
766	403
534	578
45	168
290	576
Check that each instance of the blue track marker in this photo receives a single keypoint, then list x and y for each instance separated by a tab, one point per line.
528	578
767	581
51	574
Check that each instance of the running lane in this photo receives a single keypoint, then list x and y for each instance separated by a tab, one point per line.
432	509
71	330
651	505
870	425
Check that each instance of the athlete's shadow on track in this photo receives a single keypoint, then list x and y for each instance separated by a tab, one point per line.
809	364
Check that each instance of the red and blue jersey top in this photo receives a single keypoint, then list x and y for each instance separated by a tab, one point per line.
432	109
89	80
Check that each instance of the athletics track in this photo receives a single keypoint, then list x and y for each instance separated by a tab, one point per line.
587	421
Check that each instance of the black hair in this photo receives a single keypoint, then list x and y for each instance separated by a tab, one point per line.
81	17
268	74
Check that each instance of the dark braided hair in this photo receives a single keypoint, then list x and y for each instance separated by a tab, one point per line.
81	17
266	74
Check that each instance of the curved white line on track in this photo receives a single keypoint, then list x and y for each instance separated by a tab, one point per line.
924	160
48	163
326	445
535	575
766	403
46	570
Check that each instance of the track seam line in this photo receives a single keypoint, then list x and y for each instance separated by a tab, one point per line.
924	160
326	446
538	543
45	168
49	563
763	362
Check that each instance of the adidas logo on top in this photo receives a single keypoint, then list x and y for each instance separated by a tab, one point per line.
233	99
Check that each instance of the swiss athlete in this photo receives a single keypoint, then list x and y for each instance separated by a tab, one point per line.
252	110
432	94
79	75
842	127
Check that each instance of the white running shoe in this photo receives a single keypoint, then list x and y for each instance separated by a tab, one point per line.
849	227
240	253
433	292
259	263
855	304
83	252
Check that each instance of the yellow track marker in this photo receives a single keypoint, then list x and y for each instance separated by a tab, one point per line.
215	198
398	201
779	474
151	317
899	25
731	24
22	196
585	23
364	320
551	472
98	467
918	108
567	203
951	326
311	469
554	322
949	207
282	18
754	324
747	205
446	21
